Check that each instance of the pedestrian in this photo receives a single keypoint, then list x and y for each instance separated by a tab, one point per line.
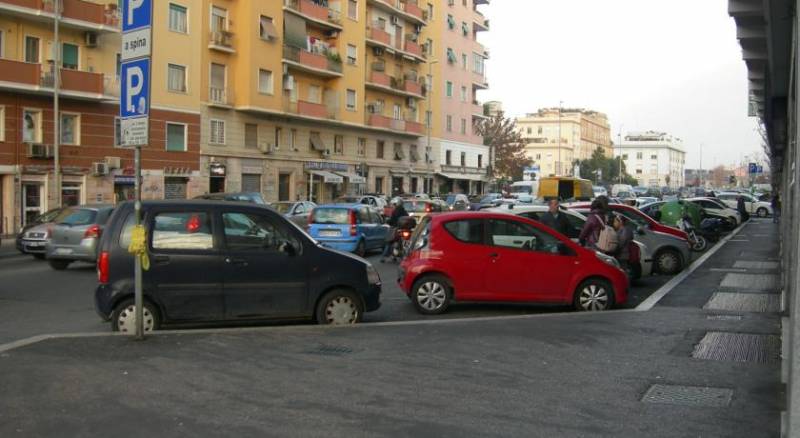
597	220
555	219
625	240
394	220
742	209
776	208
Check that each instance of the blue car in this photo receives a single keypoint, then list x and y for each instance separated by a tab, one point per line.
352	228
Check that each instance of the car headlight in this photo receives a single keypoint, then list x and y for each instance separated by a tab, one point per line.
608	259
372	275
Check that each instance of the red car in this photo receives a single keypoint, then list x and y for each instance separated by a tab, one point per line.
639	217
499	257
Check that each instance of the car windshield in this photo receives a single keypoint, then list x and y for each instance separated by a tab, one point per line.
331	216
282	207
520	189
450	200
416	207
76	216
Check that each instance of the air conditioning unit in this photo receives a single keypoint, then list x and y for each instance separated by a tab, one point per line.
266	148
113	162
36	150
99	168
288	83
377	51
393	20
90	39
326	154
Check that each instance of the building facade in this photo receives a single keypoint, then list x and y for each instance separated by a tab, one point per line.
581	133
655	159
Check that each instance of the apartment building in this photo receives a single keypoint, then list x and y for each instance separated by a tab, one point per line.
655	159
459	74
581	131
95	169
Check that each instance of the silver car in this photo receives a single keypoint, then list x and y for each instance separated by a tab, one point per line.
75	235
296	212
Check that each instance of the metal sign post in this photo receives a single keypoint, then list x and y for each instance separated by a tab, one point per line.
134	111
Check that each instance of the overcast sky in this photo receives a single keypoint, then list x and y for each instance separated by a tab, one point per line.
665	65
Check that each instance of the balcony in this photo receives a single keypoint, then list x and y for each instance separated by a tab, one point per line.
477	110
464	170
219	97
319	15
414	49
380	78
325	65
76	14
311	109
389	84
26	77
379	35
481	24
22	73
396	125
413	9
414	127
479	81
408	10
221	40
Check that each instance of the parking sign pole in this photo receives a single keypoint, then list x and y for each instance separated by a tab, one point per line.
137	267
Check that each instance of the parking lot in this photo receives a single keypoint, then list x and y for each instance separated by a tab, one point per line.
36	300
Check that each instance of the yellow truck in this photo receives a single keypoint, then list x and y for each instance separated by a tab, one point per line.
565	188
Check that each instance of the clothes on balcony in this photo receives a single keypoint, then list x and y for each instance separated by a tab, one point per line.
316	143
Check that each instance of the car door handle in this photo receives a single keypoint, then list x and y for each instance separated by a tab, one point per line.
160	260
236	261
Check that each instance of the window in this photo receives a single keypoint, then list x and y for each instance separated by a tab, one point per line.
654	157
118	69
32	49
399	155
464	58
379	149
32	126
338	144
463	159
2	123
430	11
351	100
463	93
177	18
251	135
278	135
216	131
429	47
292	139
451	56
70	128
638	155
352	52
466	230
624	156
448	158
182	231
362	146
117	132
267	29
638	171
219	19
518	235
314	93
1	44
451	22
478	61
69	56
252	232
480	161
352	9
463	126
413	155
540	130
265	84
379	184
176	78
449	123
448	89
176	137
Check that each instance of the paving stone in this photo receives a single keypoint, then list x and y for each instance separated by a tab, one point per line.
739	347
750	281
746	264
689	395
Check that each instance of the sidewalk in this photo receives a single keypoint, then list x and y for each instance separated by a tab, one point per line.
546	375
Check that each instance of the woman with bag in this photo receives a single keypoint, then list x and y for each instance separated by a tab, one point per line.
595	223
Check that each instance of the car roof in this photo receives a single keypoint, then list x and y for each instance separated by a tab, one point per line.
342	205
92	206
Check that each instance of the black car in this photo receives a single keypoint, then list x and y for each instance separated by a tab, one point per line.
251	197
224	261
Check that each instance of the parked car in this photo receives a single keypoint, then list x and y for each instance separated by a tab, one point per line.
599	191
75	234
33	237
752	204
418	208
355	228
296	212
715	206
495	257
457	202
377	203
669	246
218	261
251	197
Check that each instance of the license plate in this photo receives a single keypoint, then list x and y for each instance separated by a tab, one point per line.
35	244
330	233
62	251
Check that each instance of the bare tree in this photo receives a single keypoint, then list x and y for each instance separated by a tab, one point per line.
506	146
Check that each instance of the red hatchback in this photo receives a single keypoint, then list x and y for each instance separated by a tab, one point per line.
498	257
638	216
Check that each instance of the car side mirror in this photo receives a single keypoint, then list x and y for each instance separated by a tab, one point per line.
287	248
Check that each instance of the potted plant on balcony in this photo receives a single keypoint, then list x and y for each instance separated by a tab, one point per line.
333	57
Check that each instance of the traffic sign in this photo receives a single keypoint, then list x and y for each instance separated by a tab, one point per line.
135	79
136	44
752	168
136	14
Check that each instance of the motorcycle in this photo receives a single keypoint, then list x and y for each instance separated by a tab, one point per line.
712	228
402	237
697	241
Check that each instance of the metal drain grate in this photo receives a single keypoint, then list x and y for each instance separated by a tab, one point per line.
724	318
689	395
734	302
750	281
756	265
331	350
739	347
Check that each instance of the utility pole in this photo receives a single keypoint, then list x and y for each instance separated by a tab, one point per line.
56	116
702	182
558	167
429	122
619	140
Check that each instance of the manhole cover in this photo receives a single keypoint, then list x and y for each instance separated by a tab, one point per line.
724	317
755	265
750	281
738	347
331	350
689	395
734	302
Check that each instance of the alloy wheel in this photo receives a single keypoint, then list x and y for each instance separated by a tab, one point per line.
593	297
431	295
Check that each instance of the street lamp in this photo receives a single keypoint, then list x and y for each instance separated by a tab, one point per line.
429	122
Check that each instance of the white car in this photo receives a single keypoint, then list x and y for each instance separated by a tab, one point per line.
718	207
752	204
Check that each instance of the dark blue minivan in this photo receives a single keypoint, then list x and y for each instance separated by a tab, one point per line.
228	261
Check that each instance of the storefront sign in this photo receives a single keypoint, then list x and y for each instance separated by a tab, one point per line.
124	180
216	169
325	165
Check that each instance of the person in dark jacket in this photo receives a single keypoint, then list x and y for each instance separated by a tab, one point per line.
556	219
598	218
742	209
398	212
776	208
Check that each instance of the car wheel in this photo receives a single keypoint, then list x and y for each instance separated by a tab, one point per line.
38	256
431	294
668	262
762	212
594	295
339	307
361	248
123	318
59	265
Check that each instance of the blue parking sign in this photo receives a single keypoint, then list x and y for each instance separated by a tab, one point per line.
135	82
136	14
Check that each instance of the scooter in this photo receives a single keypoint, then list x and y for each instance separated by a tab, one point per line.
402	237
697	241
712	229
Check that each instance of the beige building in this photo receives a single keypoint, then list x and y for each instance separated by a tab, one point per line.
581	131
655	159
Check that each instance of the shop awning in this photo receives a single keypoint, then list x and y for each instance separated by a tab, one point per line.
462	176
353	177
316	143
327	177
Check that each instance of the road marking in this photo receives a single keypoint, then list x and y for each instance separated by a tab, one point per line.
656	296
727	270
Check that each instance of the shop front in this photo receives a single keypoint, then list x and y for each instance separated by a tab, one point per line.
324	183
467	180
216	180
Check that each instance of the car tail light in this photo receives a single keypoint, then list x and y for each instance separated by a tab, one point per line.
353	229
193	224
102	267
427	208
92	232
405	234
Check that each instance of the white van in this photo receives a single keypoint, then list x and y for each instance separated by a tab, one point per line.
625	189
530	188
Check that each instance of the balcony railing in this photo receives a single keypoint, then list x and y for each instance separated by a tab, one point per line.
76	13
408	9
75	80
412	87
414	127
411	8
221	40
381	121
380	78
464	170
311	109
380	35
316	62
413	48
20	72
315	11
218	96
